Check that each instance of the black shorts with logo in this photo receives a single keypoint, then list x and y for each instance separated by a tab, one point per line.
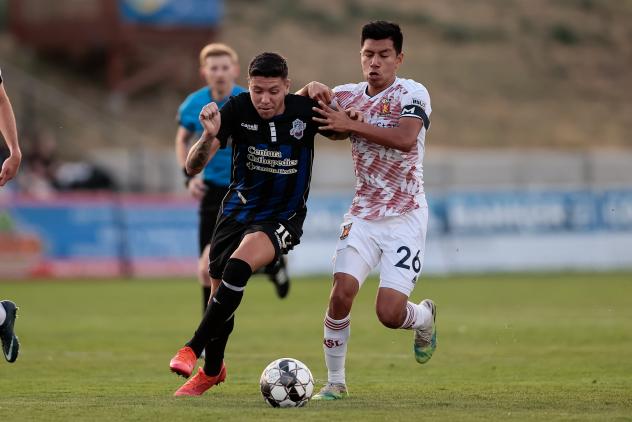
230	232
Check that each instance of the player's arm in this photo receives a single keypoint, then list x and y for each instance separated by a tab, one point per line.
183	136
208	144
321	92
403	137
10	134
317	91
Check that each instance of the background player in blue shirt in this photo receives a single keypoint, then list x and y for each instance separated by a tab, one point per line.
220	68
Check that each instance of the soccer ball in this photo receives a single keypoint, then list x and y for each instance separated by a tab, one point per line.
286	382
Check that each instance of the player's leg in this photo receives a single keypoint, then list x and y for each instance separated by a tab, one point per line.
253	252
355	257
208	211
210	376
209	208
204	278
10	343
226	239
400	265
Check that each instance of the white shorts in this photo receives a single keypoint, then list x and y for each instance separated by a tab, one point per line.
396	243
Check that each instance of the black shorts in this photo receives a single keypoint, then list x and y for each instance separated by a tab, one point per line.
230	232
209	209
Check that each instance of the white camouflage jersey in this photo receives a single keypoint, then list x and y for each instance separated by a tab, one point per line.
388	181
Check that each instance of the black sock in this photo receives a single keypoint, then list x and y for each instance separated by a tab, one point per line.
216	347
223	305
206	295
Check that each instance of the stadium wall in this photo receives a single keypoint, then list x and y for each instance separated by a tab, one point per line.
155	235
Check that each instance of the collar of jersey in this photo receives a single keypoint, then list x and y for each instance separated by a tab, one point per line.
366	88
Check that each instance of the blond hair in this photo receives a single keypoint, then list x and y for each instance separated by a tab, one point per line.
217	49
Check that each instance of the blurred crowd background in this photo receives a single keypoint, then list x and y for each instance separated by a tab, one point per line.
528	162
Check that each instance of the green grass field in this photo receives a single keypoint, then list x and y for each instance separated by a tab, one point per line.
511	347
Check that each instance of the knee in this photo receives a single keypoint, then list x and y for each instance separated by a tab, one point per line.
389	317
237	273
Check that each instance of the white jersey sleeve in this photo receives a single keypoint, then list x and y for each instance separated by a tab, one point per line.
415	102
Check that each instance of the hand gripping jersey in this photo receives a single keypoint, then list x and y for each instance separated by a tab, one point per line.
272	160
388	181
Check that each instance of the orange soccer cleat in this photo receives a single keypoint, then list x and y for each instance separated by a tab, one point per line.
183	362
201	382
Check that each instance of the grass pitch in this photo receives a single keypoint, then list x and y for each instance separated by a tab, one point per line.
511	347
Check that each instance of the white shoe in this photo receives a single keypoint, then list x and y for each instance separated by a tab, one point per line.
332	392
426	338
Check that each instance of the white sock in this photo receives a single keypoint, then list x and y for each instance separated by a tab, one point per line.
3	314
337	333
417	316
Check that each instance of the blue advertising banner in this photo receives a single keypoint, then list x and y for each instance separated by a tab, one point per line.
110	235
181	13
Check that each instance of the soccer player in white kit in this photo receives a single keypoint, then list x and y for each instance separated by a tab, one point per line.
386	223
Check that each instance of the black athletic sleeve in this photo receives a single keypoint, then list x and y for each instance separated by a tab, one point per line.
229	118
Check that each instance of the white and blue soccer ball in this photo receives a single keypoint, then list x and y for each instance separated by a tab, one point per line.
287	382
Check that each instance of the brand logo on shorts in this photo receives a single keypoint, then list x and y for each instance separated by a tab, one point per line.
298	127
345	231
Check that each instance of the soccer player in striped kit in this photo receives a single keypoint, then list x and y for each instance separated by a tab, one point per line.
262	215
386	223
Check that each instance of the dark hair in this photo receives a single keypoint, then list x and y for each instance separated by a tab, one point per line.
381	30
268	65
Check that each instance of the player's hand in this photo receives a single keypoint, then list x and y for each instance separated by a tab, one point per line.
9	168
331	119
320	92
355	114
197	188
210	119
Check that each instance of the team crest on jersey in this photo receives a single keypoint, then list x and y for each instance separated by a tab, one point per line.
345	231
298	127
385	107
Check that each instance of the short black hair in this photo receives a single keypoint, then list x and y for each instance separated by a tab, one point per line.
268	65
381	30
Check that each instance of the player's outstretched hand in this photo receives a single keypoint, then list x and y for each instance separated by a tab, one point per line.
210	119
334	120
320	92
9	169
